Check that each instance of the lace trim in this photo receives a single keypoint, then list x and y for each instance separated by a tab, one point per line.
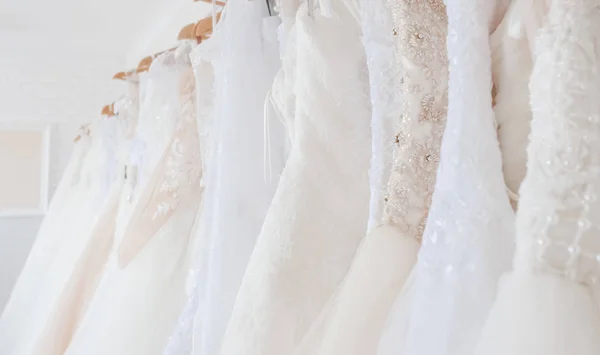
175	180
421	31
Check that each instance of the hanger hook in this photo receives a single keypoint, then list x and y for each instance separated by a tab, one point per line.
269	7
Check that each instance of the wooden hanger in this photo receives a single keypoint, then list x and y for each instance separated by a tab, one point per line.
108	110
83	131
144	64
188	32
219	3
204	27
125	75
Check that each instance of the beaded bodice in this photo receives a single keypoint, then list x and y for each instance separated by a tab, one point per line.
558	224
420	31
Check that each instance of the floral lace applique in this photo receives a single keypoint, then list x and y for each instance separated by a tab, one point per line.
175	181
421	31
183	162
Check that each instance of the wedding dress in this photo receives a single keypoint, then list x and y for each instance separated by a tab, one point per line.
142	290
22	310
320	210
241	180
466	243
181	340
78	291
352	323
77	208
548	304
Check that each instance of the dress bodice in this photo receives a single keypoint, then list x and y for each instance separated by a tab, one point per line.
421	30
174	183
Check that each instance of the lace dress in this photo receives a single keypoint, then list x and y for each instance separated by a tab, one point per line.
549	303
320	210
467	238
354	319
143	288
76	210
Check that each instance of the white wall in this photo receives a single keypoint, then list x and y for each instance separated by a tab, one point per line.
64	83
18	233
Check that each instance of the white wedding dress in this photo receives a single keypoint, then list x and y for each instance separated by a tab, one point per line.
548	304
467	240
24	309
353	321
82	199
241	179
320	210
142	290
85	276
181	340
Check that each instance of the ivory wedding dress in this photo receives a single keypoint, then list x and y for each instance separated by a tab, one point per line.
320	210
23	310
240	181
467	239
81	200
82	283
353	321
143	287
549	303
